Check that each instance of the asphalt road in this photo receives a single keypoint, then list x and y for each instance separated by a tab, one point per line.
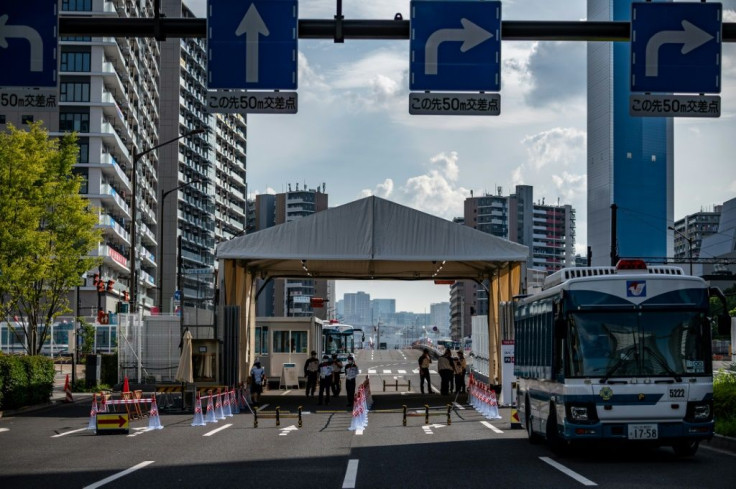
53	448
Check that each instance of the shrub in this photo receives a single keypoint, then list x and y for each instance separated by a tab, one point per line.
40	372
25	380
724	403
15	381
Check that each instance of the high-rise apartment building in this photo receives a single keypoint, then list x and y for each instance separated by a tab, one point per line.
548	231
201	180
287	297
630	159
439	315
123	96
383	308
689	233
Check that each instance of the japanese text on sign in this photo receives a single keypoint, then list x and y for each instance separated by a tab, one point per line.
651	105
29	99
228	102
435	103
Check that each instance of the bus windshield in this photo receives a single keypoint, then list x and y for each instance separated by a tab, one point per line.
338	340
637	344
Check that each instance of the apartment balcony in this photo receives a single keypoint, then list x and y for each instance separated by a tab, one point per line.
113	229
112	258
111	197
110	136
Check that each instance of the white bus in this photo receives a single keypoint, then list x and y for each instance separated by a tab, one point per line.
617	353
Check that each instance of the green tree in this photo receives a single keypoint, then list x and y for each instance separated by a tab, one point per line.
47	230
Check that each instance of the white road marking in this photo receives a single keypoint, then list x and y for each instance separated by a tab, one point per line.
351	474
371	370
261	408
401	371
58	435
119	475
285	392
568	472
490	426
223	427
458	406
415	371
385	371
8	429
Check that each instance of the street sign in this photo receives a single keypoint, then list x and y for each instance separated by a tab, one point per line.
244	102
112	423
455	46
252	44
28	43
673	105
454	103
676	47
195	271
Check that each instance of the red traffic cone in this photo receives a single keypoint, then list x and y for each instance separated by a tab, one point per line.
68	390
126	386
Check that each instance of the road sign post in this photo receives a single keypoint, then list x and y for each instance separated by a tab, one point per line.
676	47
455	46
28	43
252	44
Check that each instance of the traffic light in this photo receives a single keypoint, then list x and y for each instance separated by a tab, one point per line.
100	286
316	302
110	284
96	279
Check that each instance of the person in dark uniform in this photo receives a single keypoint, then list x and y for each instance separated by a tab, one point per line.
311	373
424	361
325	379
351	375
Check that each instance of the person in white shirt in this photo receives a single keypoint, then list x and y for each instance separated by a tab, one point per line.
257	379
325	379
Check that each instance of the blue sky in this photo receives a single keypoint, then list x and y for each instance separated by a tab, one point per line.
353	131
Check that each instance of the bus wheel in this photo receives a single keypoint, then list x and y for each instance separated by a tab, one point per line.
685	448
554	440
534	438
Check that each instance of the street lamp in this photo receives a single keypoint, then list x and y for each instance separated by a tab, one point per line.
689	245
133	197
160	281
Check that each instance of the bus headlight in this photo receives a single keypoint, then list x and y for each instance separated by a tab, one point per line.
581	413
699	411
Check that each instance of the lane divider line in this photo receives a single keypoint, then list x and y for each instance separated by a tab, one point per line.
119	475
569	472
59	435
491	427
223	427
351	474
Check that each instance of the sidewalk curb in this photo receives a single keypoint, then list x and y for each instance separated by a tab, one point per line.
721	442
80	397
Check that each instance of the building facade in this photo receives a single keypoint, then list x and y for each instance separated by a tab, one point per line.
689	233
630	162
290	297
548	231
202	190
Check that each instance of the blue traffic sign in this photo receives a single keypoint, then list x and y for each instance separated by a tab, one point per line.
28	43
676	47
455	45
252	44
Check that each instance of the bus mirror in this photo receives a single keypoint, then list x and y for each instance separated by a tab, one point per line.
724	324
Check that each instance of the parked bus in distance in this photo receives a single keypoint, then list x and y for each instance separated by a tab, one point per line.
338	338
617	353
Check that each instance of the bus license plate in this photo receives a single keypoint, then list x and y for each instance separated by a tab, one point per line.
643	432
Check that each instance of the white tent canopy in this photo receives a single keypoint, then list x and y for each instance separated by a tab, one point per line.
371	238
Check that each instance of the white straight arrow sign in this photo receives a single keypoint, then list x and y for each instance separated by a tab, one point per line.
691	37
470	34
25	32
253	27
